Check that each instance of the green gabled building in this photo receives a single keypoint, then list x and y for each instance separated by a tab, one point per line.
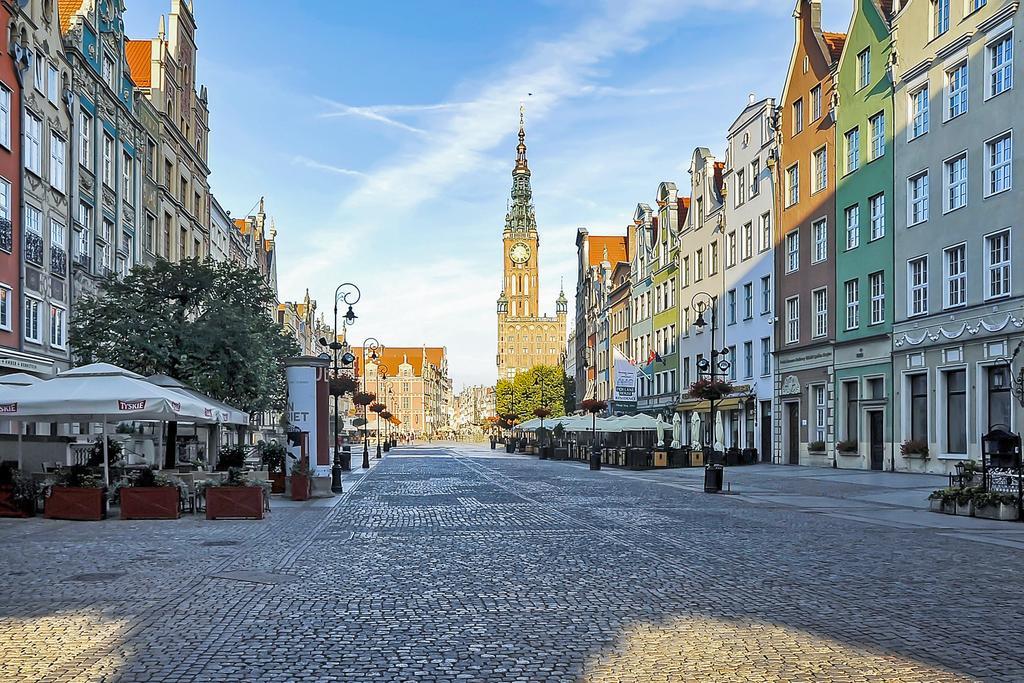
864	241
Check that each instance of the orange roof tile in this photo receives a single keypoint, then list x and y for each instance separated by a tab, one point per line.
242	226
392	357
835	42
683	204
139	54
614	244
65	10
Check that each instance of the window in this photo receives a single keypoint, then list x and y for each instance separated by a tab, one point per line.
999	159
108	160
820	298
40	71
792	185
876	206
52	82
820	231
917	286
686	271
820	412
5	116
5	199
58	153
85	139
1000	65
940	16
919	407
734	361
792	251
33	143
956	182
699	266
766	356
919	112
56	234
108	72
748	241
815	103
820	169
730	298
976	5
876	124
5	307
713	258
917	198
852	407
852	150
58	329
798	116
33	311
852	304
755	177
956	411
864	68
764	228
955	276
766	294
876	282
792	320
748	359
741	187
150	159
852	214
997	263
730	249
33	220
957	97
748	301
126	176
998	397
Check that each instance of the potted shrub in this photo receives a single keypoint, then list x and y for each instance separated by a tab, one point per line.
78	494
18	492
817	447
302	479
994	505
707	389
912	448
229	457
272	455
233	498
848	447
147	494
965	501
935	499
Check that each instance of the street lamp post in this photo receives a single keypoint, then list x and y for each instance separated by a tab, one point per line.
538	381
719	363
373	345
381	371
350	294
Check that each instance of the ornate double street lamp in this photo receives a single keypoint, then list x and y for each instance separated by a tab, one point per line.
348	293
714	371
379	407
371	344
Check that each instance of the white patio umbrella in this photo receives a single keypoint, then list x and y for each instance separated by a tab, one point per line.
19	379
694	430
222	412
661	433
99	392
677	430
719	432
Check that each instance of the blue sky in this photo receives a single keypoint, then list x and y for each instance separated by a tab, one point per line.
383	135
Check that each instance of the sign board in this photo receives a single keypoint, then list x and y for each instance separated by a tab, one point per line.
307	408
623	379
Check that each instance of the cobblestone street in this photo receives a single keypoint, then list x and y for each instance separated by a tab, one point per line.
459	563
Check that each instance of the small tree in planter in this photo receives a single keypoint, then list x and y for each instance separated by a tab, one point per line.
994	505
77	494
301	478
230	457
707	389
146	494
233	498
965	501
18	492
272	455
912	448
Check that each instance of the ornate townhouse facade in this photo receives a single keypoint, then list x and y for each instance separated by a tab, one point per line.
662	383
14	63
597	256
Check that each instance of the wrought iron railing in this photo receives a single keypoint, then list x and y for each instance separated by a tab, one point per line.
84	260
58	261
34	248
6	235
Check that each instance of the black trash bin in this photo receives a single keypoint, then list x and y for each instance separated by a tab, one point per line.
713	476
346	458
595	458
510	446
493	442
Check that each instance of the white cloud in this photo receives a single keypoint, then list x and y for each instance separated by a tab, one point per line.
319	166
370	113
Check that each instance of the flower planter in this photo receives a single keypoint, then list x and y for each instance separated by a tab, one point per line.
935	504
1001	512
84	504
300	487
150	502
13	508
277	482
949	507
234	502
965	509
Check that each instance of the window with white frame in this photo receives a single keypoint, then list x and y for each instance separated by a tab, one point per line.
735	361
5	199
58	327
58	155
940	17
815	103
766	294
955	176
864	68
730	249
5	116
819	229
792	319
766	356
33	313
852	304
792	185
852	215
792	251
748	301
876	284
755	177
999	162
33	143
917	198
798	116
997	263
52	82
730	298
40	72
957	96
5	307
699	265
820	169
919	112
764	229
876	207
820	299
85	138
917	286
955	276
1000	65
876	126
57	233
713	257
747	247
33	220
108	160
748	359
108	72
741	187
126	176
852	150
820	412
976	5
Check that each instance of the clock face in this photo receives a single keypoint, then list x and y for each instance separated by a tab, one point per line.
520	253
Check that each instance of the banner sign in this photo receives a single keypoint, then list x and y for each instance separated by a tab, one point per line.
131	405
8	408
623	379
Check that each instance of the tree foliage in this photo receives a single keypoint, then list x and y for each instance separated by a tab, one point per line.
528	392
207	324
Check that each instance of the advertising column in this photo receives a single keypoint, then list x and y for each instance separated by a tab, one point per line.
307	410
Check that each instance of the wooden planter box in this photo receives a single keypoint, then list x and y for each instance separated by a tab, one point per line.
300	487
277	480
234	502
150	502
11	508
1001	512
86	504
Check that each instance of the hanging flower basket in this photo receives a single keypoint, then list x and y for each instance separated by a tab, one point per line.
386	415
377	408
507	421
593	405
708	390
541	412
363	398
343	384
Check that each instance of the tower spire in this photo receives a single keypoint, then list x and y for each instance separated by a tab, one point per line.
521	164
520	216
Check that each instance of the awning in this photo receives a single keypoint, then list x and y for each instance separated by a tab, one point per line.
734	403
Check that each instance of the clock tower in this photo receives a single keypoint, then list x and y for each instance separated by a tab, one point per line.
525	337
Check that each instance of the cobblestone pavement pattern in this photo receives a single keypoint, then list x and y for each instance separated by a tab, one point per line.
454	564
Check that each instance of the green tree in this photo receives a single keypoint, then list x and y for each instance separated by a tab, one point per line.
540	381
207	324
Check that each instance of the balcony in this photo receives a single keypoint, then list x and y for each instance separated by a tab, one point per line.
6	235
84	261
34	248
58	261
